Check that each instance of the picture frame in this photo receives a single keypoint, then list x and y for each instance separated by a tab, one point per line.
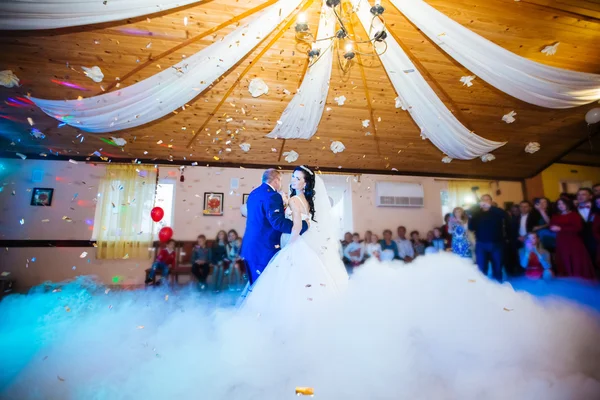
213	204
42	197
245	198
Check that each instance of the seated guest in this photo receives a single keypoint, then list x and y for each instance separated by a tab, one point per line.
405	247
417	243
446	230
201	261
373	249
368	237
164	260
355	251
438	241
534	259
572	258
542	228
347	240
219	259
389	248
234	245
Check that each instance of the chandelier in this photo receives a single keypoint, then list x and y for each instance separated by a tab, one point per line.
346	44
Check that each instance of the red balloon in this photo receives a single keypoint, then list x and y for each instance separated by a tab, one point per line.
165	234
157	214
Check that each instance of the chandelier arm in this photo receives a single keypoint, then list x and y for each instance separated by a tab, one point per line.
320	55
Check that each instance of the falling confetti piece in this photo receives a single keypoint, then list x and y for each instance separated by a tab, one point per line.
446	160
67	309
8	79
366	123
340	100
305	391
22	221
488	157
308	285
74	268
140	327
37	134
126	256
185	21
23	156
83	255
551	50
159	142
245	147
119	141
60	379
472	281
166	297
94	73
258	87
508	309
45	220
73	161
510	117
30	121
467	80
291	156
337	147
532	147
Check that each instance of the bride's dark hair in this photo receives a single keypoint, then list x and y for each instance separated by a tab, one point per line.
309	189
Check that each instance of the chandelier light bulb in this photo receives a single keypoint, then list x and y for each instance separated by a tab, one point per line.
301	18
348	48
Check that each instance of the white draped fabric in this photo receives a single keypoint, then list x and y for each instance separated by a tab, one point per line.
51	14
436	121
301	117
170	89
517	76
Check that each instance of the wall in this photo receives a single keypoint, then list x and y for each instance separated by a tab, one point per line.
552	176
76	188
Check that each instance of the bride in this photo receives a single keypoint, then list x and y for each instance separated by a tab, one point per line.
308	270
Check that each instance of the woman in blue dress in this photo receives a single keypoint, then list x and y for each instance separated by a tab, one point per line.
458	228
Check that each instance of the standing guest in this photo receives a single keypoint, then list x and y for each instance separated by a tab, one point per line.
459	224
389	248
373	248
489	225
584	208
534	259
596	189
219	259
405	247
164	260
417	243
234	245
446	230
572	258
542	228
596	230
355	251
201	261
528	219
438	241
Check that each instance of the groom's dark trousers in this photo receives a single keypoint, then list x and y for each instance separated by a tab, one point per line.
264	225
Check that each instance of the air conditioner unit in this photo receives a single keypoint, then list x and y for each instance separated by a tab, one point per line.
399	194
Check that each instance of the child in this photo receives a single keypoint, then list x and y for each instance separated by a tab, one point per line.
355	251
164	260
417	243
219	259
201	261
438	241
374	247
534	259
234	246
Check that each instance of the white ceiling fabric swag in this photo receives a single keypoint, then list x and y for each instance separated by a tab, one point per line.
52	14
517	76
437	123
301	117
171	88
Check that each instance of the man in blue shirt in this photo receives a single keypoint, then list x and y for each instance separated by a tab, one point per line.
490	226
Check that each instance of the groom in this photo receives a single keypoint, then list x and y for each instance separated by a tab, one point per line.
264	225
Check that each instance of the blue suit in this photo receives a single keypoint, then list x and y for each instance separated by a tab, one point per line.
264	225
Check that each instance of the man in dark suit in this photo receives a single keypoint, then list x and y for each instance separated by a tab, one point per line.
584	209
264	224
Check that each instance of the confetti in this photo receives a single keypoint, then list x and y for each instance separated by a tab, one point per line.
291	156
467	80
8	79
37	134
74	268
532	147
22	221
140	327
119	141
400	103
446	160
67	309
510	117
340	100
305	391
73	161
472	280
166	297
94	73
45	220
126	256
159	142
245	147
59	378
185	21
366	123
83	255
551	50
488	157
257	87
337	147
30	121
508	309
23	156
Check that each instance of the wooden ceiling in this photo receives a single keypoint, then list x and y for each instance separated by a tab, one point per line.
46	60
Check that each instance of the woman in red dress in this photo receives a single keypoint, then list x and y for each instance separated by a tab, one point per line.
572	258
534	258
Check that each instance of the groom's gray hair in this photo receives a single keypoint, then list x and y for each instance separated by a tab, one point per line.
269	175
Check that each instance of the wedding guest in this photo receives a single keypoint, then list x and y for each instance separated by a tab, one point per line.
429	239
201	261
438	241
596	230
219	259
164	260
373	248
417	244
542	228
405	247
368	237
446	230
347	240
355	251
584	208
534	259
596	189
234	245
490	225
458	228
389	248
572	258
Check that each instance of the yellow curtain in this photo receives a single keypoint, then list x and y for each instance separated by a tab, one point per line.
460	193
123	226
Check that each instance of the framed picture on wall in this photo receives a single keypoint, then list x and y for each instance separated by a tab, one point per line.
42	197
213	204
245	198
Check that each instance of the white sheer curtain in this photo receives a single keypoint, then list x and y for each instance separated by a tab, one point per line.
170	89
301	117
51	14
517	76
436	121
